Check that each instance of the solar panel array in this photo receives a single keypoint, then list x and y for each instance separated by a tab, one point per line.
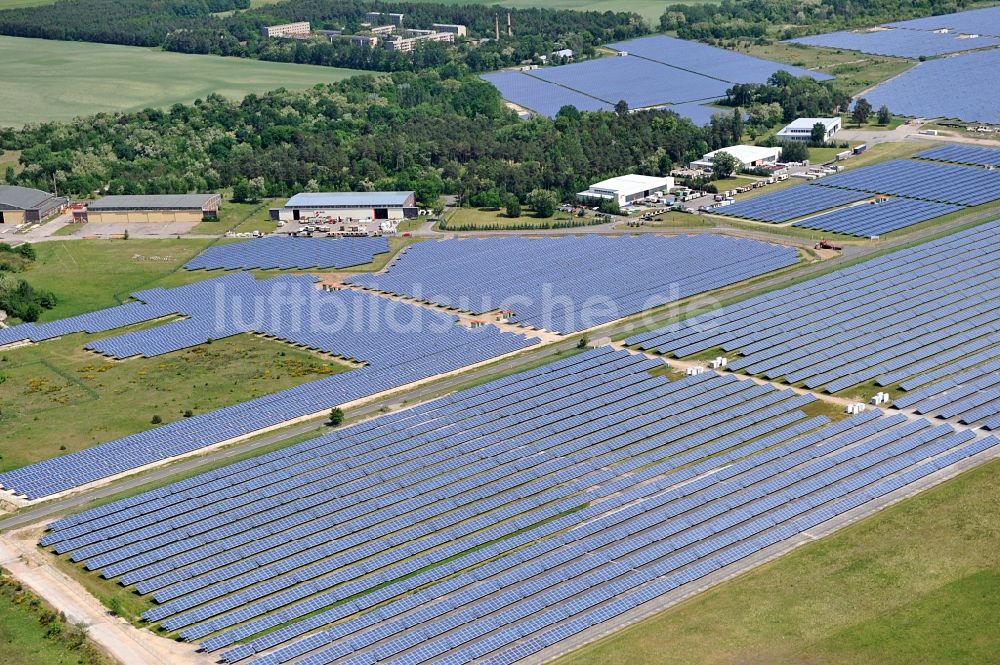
709	61
785	205
897	315
573	283
498	521
963	154
285	253
540	96
657	71
967	391
977	21
874	219
954	87
922	180
400	343
899	42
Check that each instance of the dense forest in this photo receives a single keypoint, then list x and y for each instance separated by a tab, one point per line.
753	19
195	26
399	131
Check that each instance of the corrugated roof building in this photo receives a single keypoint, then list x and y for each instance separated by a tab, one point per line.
19	205
154	208
348	206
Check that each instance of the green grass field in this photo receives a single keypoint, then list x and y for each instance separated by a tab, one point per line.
58	397
917	584
88	275
52	80
24	640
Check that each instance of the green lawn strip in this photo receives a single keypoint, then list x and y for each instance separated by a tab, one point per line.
488	219
913	584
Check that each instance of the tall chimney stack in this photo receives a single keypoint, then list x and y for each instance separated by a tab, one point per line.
497	19
510	31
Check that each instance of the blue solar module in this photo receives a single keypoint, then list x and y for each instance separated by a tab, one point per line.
573	283
708	60
788	204
287	253
874	219
963	154
541	97
916	179
959	86
638	81
974	22
898	42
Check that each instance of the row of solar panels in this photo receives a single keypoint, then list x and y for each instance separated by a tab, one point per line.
284	253
891	319
963	154
571	284
879	218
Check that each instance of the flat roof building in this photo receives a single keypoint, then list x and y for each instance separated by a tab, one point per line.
348	206
414	37
627	188
801	129
454	28
378	17
154	208
748	156
19	205
298	29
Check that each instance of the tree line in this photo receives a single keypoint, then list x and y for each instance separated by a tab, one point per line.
197	26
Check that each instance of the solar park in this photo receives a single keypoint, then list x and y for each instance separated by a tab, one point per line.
924	191
648	72
929	311
500	520
497	521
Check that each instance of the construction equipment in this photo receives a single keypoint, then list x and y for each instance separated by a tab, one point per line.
823	244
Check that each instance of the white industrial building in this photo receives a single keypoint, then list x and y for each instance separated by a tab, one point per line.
748	156
801	129
627	188
347	206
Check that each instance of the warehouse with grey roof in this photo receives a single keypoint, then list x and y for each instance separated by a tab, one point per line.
153	208
20	205
348	206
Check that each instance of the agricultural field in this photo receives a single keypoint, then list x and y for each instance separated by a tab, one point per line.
916	583
59	398
54	80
